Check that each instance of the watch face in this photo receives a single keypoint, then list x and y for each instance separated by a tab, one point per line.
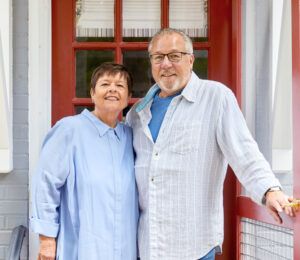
275	189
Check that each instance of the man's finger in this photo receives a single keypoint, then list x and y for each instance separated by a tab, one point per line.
275	215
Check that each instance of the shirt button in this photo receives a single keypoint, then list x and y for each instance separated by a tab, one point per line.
152	178
156	154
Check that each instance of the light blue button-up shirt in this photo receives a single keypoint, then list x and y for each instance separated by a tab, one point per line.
84	191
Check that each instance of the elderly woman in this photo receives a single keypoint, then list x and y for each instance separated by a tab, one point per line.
84	201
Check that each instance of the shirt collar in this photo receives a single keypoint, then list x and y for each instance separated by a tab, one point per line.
188	92
100	126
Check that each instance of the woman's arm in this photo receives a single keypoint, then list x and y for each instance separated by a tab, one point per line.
47	249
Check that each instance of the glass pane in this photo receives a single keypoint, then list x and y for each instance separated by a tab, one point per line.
190	17
79	109
86	62
138	64
201	63
267	84
94	20
141	19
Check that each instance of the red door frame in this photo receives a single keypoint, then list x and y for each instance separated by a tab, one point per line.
223	65
296	115
247	208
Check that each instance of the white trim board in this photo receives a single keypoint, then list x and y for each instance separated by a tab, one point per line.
39	88
6	115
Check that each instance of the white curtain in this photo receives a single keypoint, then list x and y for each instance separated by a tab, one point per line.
189	16
141	18
94	18
267	81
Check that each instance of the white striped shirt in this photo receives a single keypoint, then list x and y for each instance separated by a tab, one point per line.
180	177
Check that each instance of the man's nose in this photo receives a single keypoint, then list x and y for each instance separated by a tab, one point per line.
166	62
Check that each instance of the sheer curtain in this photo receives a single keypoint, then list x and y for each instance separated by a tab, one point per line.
189	16
141	18
266	78
94	18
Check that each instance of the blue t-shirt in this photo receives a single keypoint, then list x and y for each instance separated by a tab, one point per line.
158	109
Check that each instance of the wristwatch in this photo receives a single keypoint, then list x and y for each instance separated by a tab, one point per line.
275	188
272	189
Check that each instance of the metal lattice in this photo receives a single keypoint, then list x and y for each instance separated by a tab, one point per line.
263	241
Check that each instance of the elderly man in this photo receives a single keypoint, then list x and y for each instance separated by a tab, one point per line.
186	130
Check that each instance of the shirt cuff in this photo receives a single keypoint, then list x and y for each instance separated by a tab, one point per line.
45	228
260	193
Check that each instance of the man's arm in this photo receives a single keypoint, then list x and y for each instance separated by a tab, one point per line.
249	165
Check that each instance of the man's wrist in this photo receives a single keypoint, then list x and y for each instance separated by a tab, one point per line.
271	189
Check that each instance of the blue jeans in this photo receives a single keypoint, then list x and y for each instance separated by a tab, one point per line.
210	256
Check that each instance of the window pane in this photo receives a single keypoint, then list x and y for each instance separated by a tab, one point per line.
94	20
141	19
201	63
138	64
190	17
86	62
79	109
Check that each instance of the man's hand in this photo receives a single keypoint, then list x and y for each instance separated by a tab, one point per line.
47	248
276	202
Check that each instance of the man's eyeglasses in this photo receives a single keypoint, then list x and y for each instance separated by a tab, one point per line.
172	57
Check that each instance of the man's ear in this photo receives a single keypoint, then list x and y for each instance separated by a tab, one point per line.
192	59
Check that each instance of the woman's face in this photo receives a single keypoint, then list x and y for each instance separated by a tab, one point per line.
110	94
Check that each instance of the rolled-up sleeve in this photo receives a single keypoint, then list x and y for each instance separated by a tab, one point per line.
49	179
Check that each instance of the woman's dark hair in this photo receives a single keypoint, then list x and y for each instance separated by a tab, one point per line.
111	69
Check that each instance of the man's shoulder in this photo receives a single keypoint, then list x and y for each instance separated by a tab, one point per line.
215	88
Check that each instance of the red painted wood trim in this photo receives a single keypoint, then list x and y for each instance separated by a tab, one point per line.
82	101
296	114
164	13
118	30
134	45
62	72
201	45
220	67
94	45
236	38
88	101
248	209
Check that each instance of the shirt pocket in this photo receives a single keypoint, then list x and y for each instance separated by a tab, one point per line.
184	138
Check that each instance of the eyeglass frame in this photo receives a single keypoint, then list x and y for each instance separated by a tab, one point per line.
167	54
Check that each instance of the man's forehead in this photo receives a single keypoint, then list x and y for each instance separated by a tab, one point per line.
168	41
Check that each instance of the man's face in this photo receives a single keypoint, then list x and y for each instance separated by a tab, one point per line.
171	76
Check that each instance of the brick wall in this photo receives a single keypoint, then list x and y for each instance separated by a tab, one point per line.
14	185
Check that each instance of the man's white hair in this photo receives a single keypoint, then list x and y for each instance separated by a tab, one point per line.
166	31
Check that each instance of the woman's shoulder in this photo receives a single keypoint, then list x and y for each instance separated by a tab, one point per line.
69	122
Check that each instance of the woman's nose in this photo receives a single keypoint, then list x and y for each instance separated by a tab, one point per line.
112	88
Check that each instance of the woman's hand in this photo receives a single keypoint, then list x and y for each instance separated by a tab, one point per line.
47	248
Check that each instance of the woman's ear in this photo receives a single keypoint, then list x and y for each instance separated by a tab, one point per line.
129	96
92	92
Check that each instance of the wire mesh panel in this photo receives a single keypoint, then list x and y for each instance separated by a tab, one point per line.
264	241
